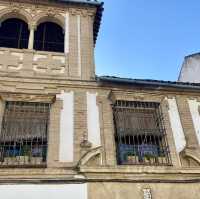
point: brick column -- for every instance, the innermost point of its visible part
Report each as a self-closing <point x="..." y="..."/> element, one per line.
<point x="80" y="123"/>
<point x="107" y="131"/>
<point x="73" y="44"/>
<point x="53" y="136"/>
<point x="87" y="47"/>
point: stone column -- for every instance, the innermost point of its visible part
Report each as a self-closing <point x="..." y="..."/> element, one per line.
<point x="31" y="37"/>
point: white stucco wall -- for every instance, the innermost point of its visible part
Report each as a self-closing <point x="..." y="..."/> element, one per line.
<point x="194" y="106"/>
<point x="66" y="147"/>
<point x="93" y="120"/>
<point x="67" y="33"/>
<point x="190" y="69"/>
<point x="71" y="191"/>
<point x="177" y="129"/>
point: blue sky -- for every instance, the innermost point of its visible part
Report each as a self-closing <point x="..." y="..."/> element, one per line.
<point x="147" y="38"/>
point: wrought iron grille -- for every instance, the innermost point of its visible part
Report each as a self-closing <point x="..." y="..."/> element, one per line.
<point x="140" y="133"/>
<point x="23" y="138"/>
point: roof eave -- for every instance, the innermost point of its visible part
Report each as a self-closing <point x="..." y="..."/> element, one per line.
<point x="149" y="83"/>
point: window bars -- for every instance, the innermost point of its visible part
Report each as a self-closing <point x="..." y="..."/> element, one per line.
<point x="23" y="138"/>
<point x="140" y="134"/>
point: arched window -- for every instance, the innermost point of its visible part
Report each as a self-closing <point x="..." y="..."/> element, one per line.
<point x="49" y="37"/>
<point x="14" y="33"/>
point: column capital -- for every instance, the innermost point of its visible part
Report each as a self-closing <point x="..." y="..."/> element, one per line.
<point x="32" y="26"/>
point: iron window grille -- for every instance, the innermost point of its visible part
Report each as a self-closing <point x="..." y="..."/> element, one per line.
<point x="140" y="134"/>
<point x="23" y="138"/>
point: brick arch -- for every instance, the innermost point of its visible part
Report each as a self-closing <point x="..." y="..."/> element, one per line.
<point x="57" y="19"/>
<point x="16" y="13"/>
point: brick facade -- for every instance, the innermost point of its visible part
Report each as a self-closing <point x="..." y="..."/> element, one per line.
<point x="96" y="166"/>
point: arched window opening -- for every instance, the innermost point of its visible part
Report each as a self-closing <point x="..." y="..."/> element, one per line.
<point x="49" y="37"/>
<point x="14" y="33"/>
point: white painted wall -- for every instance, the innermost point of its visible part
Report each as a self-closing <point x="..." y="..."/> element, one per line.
<point x="67" y="33"/>
<point x="93" y="120"/>
<point x="71" y="191"/>
<point x="177" y="129"/>
<point x="194" y="106"/>
<point x="190" y="69"/>
<point x="66" y="147"/>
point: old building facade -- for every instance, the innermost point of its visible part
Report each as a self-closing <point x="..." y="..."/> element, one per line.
<point x="66" y="133"/>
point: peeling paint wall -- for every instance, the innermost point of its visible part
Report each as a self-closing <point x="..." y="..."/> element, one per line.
<point x="177" y="129"/>
<point x="71" y="191"/>
<point x="194" y="110"/>
<point x="66" y="146"/>
<point x="93" y="120"/>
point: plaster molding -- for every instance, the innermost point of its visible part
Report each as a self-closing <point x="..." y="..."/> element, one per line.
<point x="27" y="97"/>
<point x="89" y="155"/>
<point x="17" y="12"/>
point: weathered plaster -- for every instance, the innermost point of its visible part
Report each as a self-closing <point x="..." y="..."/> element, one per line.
<point x="66" y="127"/>
<point x="194" y="110"/>
<point x="72" y="191"/>
<point x="93" y="120"/>
<point x="67" y="33"/>
<point x="177" y="129"/>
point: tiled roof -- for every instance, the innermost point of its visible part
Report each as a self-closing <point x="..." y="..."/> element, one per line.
<point x="97" y="4"/>
<point x="148" y="82"/>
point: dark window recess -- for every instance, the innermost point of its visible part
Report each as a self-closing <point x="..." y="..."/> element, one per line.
<point x="23" y="138"/>
<point x="140" y="134"/>
<point x="49" y="37"/>
<point x="14" y="33"/>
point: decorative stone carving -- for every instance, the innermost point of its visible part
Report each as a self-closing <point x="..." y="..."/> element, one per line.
<point x="95" y="152"/>
<point x="27" y="98"/>
<point x="16" y="11"/>
<point x="51" y="12"/>
<point x="51" y="16"/>
<point x="85" y="143"/>
<point x="16" y="6"/>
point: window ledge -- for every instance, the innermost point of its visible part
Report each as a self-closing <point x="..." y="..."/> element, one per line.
<point x="31" y="50"/>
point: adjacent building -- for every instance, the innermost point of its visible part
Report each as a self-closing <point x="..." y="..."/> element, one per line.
<point x="190" y="69"/>
<point x="67" y="133"/>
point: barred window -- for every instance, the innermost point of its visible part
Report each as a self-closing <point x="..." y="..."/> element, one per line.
<point x="140" y="134"/>
<point x="23" y="138"/>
